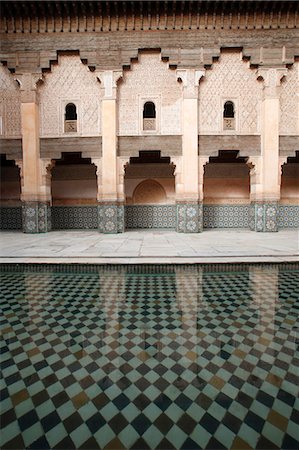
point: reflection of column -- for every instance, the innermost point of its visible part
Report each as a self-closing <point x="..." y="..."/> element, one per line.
<point x="265" y="301"/>
<point x="264" y="212"/>
<point x="202" y="161"/>
<point x="189" y="297"/>
<point x="36" y="206"/>
<point x="111" y="217"/>
<point x="189" y="209"/>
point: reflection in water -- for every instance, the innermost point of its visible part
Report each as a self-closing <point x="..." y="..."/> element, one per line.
<point x="150" y="357"/>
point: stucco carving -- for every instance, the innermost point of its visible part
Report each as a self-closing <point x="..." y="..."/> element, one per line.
<point x="70" y="82"/>
<point x="229" y="78"/>
<point x="149" y="191"/>
<point x="149" y="78"/>
<point x="10" y="105"/>
<point x="289" y="102"/>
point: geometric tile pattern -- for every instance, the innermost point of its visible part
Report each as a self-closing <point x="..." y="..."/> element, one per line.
<point x="288" y="216"/>
<point x="74" y="217"/>
<point x="189" y="217"/>
<point x="10" y="217"/>
<point x="263" y="216"/>
<point x="111" y="218"/>
<point x="226" y="216"/>
<point x="36" y="217"/>
<point x="147" y="359"/>
<point x="150" y="216"/>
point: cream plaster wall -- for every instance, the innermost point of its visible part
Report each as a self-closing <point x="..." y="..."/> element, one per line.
<point x="230" y="78"/>
<point x="289" y="102"/>
<point x="70" y="81"/>
<point x="10" y="105"/>
<point x="226" y="183"/>
<point x="149" y="79"/>
<point x="10" y="187"/>
<point x="74" y="184"/>
<point x="290" y="184"/>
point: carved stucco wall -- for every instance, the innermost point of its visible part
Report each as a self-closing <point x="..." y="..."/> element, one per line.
<point x="10" y="105"/>
<point x="70" y="82"/>
<point x="150" y="79"/>
<point x="289" y="102"/>
<point x="230" y="78"/>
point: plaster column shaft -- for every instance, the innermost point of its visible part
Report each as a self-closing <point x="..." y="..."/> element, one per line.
<point x="189" y="208"/>
<point x="31" y="154"/>
<point x="109" y="149"/>
<point x="265" y="196"/>
<point x="111" y="212"/>
<point x="36" y="195"/>
<point x="190" y="148"/>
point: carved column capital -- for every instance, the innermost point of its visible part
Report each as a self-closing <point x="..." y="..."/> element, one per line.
<point x="109" y="79"/>
<point x="272" y="77"/>
<point x="190" y="79"/>
<point x="28" y="86"/>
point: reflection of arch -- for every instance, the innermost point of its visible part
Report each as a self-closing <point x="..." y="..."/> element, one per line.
<point x="148" y="192"/>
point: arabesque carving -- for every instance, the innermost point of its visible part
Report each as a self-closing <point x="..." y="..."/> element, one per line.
<point x="10" y="105"/>
<point x="150" y="78"/>
<point x="289" y="102"/>
<point x="229" y="78"/>
<point x="70" y="82"/>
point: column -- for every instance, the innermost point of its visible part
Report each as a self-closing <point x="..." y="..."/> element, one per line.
<point x="111" y="209"/>
<point x="189" y="207"/>
<point x="35" y="201"/>
<point x="265" y="197"/>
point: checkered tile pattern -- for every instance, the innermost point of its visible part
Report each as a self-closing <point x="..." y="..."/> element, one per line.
<point x="153" y="360"/>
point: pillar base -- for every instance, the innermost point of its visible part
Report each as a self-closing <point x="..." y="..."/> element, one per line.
<point x="36" y="217"/>
<point x="189" y="217"/>
<point x="111" y="218"/>
<point x="264" y="216"/>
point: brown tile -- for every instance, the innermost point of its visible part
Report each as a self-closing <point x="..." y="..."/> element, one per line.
<point x="143" y="356"/>
<point x="7" y="330"/>
<point x="90" y="444"/>
<point x="80" y="400"/>
<point x="19" y="397"/>
<point x="100" y="400"/>
<point x="239" y="353"/>
<point x="191" y="355"/>
<point x="277" y="420"/>
<point x="239" y="444"/>
<point x="33" y="352"/>
<point x="217" y="382"/>
<point x="115" y="444"/>
<point x="274" y="379"/>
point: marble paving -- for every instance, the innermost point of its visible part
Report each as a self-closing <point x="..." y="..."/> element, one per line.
<point x="144" y="246"/>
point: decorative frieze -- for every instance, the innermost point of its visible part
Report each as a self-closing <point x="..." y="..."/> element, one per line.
<point x="36" y="217"/>
<point x="150" y="216"/>
<point x="10" y="217"/>
<point x="263" y="216"/>
<point x="189" y="217"/>
<point x="110" y="218"/>
<point x="226" y="216"/>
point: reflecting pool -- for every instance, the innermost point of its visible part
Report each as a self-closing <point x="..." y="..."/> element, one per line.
<point x="150" y="357"/>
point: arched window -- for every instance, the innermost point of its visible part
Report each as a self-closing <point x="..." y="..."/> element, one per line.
<point x="229" y="110"/>
<point x="70" y="116"/>
<point x="149" y="110"/>
<point x="229" y="115"/>
<point x="149" y="116"/>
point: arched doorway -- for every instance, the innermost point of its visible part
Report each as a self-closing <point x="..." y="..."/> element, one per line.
<point x="10" y="195"/>
<point x="226" y="191"/>
<point x="289" y="194"/>
<point x="150" y="192"/>
<point x="74" y="193"/>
